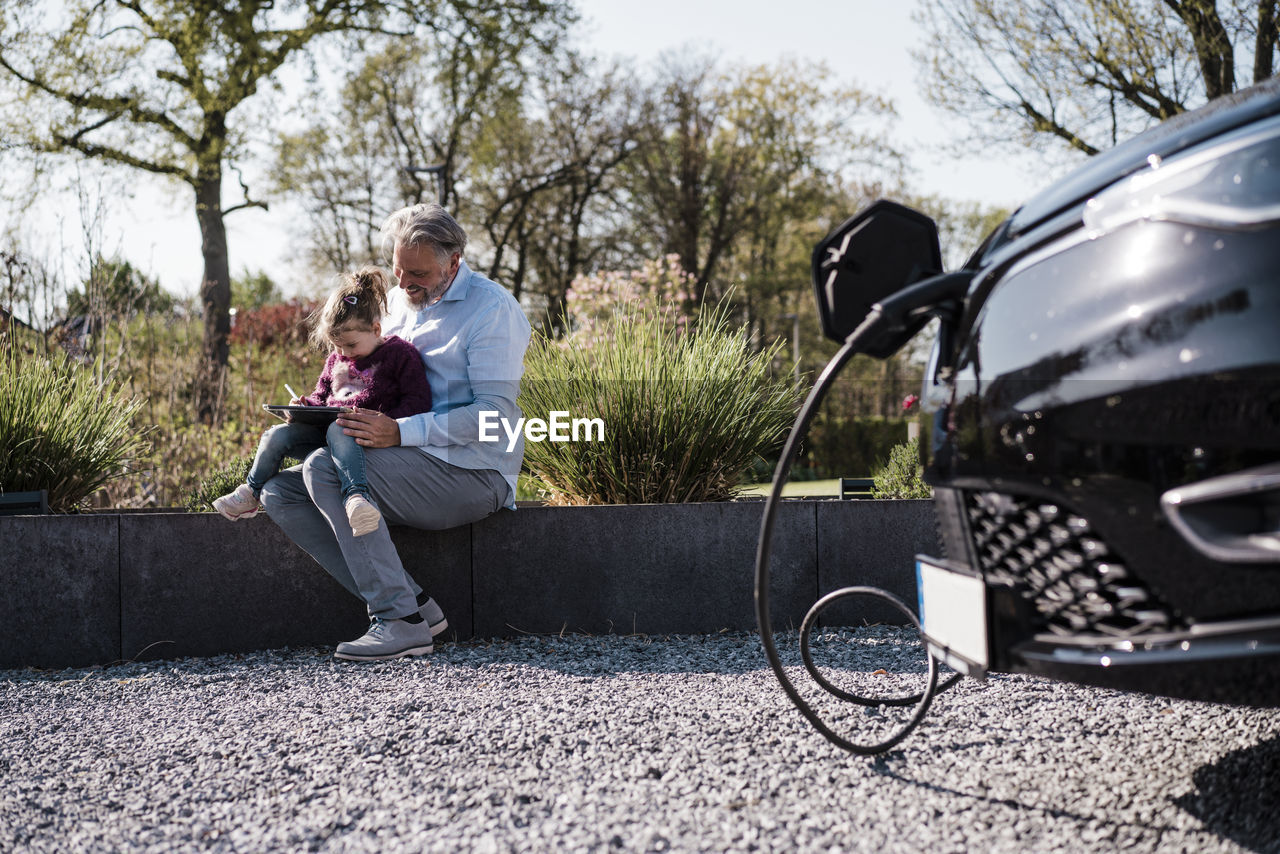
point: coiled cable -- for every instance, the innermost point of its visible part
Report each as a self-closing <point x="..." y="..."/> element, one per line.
<point x="790" y="450"/>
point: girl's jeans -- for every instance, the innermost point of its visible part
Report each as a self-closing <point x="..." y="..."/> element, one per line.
<point x="299" y="440"/>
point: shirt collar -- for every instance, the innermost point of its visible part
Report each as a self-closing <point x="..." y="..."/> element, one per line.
<point x="461" y="283"/>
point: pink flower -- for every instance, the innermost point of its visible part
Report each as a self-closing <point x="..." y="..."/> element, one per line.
<point x="910" y="401"/>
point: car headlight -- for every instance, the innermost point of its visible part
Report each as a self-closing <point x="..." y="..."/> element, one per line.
<point x="1231" y="183"/>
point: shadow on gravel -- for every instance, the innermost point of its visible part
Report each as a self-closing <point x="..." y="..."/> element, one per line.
<point x="865" y="649"/>
<point x="879" y="765"/>
<point x="1238" y="797"/>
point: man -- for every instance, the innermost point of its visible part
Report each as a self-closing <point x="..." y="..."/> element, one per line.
<point x="428" y="470"/>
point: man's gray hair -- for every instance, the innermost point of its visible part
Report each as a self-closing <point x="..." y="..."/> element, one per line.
<point x="424" y="225"/>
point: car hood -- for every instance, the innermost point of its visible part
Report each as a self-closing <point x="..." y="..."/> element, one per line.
<point x="1169" y="137"/>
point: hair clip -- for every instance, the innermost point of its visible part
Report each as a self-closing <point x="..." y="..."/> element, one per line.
<point x="351" y="299"/>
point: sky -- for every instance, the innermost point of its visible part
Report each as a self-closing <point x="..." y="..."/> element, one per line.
<point x="865" y="42"/>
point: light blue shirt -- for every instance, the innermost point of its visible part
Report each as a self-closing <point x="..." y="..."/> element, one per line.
<point x="472" y="342"/>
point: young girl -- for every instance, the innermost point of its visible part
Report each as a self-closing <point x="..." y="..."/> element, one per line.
<point x="363" y="370"/>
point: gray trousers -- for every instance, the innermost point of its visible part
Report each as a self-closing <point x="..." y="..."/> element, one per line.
<point x="409" y="487"/>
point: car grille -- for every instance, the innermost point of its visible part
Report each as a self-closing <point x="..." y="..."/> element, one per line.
<point x="1077" y="584"/>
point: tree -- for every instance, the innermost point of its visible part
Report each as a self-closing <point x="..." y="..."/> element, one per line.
<point x="528" y="137"/>
<point x="962" y="226"/>
<point x="28" y="290"/>
<point x="740" y="172"/>
<point x="1088" y="73"/>
<point x="546" y="178"/>
<point x="161" y="86"/>
<point x="250" y="291"/>
<point x="405" y="107"/>
<point x="116" y="288"/>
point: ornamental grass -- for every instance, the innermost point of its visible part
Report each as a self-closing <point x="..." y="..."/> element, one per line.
<point x="64" y="427"/>
<point x="686" y="408"/>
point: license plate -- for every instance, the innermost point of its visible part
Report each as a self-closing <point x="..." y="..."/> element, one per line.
<point x="953" y="612"/>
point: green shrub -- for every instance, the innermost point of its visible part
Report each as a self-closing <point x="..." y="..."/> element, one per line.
<point x="901" y="476"/>
<point x="217" y="484"/>
<point x="839" y="445"/>
<point x="223" y="481"/>
<point x="64" y="427"/>
<point x="686" y="408"/>
<point x="157" y="355"/>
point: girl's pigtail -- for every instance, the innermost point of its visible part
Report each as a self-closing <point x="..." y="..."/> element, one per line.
<point x="372" y="283"/>
<point x="359" y="301"/>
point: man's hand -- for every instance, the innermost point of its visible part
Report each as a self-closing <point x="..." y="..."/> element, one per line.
<point x="371" y="429"/>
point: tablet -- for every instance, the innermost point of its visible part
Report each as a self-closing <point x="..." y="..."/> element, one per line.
<point x="320" y="415"/>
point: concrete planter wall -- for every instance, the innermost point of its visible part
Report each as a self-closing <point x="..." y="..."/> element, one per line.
<point x="95" y="589"/>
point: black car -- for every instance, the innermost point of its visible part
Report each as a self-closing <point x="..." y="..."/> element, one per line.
<point x="1103" y="411"/>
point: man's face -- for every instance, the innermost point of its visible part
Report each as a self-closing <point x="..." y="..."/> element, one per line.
<point x="420" y="274"/>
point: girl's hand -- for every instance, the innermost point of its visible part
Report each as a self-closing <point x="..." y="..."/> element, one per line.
<point x="370" y="428"/>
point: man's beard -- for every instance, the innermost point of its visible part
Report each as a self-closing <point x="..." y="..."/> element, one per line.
<point x="419" y="297"/>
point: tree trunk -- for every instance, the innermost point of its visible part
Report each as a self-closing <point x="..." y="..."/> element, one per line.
<point x="1213" y="44"/>
<point x="215" y="298"/>
<point x="1265" y="43"/>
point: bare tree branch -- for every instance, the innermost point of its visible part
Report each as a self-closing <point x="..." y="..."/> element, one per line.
<point x="122" y="157"/>
<point x="1087" y="71"/>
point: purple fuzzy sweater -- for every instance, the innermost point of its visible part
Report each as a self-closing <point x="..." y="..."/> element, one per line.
<point x="391" y="379"/>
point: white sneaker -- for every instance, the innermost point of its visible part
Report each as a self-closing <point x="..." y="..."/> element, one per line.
<point x="387" y="639"/>
<point x="238" y="505"/>
<point x="362" y="515"/>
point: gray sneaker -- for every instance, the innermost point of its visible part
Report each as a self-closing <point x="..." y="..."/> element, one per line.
<point x="387" y="639"/>
<point x="431" y="612"/>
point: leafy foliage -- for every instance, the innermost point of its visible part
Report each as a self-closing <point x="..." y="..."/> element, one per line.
<point x="560" y="167"/>
<point x="223" y="481"/>
<point x="154" y="356"/>
<point x="254" y="290"/>
<point x="902" y="475"/>
<point x="218" y="483"/>
<point x="406" y="107"/>
<point x="65" y="427"/>
<point x="684" y="411"/>
<point x="844" y="445"/>
<point x="116" y="287"/>
<point x="564" y="167"/>
<point x="734" y="165"/>
<point x="546" y="183"/>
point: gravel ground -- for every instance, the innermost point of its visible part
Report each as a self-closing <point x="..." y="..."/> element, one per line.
<point x="599" y="743"/>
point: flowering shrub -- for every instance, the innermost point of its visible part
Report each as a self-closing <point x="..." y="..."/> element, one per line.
<point x="660" y="288"/>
